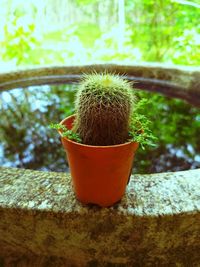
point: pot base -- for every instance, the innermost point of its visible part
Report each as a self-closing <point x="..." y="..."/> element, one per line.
<point x="99" y="205"/>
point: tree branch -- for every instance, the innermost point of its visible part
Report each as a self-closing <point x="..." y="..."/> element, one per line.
<point x="188" y="3"/>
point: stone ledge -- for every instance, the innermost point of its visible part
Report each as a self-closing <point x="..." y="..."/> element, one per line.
<point x="175" y="81"/>
<point x="155" y="224"/>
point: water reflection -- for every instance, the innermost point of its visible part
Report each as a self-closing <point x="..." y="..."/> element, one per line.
<point x="28" y="142"/>
<point x="26" y="139"/>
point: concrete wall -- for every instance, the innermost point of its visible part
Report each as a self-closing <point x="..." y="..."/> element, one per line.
<point x="157" y="223"/>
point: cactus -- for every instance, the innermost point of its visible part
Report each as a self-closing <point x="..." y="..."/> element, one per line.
<point x="103" y="106"/>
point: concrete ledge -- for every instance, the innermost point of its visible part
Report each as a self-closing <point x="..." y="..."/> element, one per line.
<point x="176" y="81"/>
<point x="155" y="224"/>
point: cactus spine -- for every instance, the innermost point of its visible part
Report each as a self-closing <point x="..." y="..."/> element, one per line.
<point x="103" y="106"/>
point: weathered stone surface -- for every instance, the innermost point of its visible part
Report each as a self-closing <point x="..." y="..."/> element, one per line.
<point x="157" y="223"/>
<point x="173" y="81"/>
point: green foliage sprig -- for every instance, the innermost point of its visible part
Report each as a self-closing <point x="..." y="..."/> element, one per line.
<point x="66" y="132"/>
<point x="139" y="127"/>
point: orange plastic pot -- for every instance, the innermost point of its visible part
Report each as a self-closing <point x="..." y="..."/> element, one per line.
<point x="99" y="173"/>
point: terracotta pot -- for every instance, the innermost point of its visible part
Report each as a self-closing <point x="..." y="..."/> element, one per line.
<point x="99" y="173"/>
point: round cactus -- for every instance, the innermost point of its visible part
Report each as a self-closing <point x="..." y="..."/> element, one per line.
<point x="103" y="106"/>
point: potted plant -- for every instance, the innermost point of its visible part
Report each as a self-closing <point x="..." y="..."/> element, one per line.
<point x="101" y="138"/>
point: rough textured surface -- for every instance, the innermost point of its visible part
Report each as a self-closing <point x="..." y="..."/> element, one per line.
<point x="173" y="81"/>
<point x="155" y="224"/>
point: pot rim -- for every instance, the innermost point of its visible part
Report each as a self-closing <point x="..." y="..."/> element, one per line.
<point x="79" y="144"/>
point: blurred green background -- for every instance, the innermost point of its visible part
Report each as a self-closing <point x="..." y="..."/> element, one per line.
<point x="69" y="32"/>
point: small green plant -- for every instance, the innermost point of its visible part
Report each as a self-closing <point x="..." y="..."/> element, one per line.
<point x="139" y="127"/>
<point x="66" y="133"/>
<point x="107" y="113"/>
